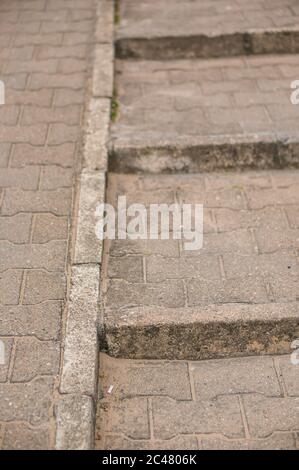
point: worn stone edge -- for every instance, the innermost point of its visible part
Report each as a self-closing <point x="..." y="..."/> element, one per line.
<point x="255" y="41"/>
<point x="207" y="153"/>
<point x="216" y="331"/>
<point x="76" y="405"/>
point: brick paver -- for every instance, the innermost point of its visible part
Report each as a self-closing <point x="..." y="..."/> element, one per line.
<point x="44" y="53"/>
<point x="225" y="404"/>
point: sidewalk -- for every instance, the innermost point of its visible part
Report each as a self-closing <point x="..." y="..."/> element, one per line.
<point x="229" y="404"/>
<point x="201" y="340"/>
<point x="44" y="56"/>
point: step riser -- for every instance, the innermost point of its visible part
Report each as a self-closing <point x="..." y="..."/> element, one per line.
<point x="201" y="341"/>
<point x="201" y="46"/>
<point x="205" y="158"/>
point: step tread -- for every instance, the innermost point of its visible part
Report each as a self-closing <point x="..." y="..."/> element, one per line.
<point x="246" y="272"/>
<point x="169" y="102"/>
<point x="148" y="19"/>
<point x="240" y="403"/>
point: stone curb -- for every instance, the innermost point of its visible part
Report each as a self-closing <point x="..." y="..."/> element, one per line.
<point x="75" y="410"/>
<point x="75" y="415"/>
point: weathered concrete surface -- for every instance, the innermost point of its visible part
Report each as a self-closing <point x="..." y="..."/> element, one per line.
<point x="235" y="296"/>
<point x="202" y="115"/>
<point x="232" y="404"/>
<point x="75" y="423"/>
<point x="187" y="29"/>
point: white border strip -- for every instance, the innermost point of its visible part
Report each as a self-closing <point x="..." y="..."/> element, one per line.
<point x="75" y="410"/>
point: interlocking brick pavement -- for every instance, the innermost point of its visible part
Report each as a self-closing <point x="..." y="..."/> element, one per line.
<point x="196" y="28"/>
<point x="248" y="263"/>
<point x="240" y="403"/>
<point x="172" y="100"/>
<point x="44" y="54"/>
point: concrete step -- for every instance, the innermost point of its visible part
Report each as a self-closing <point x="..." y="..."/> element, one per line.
<point x="247" y="403"/>
<point x="202" y="115"/>
<point x="149" y="29"/>
<point x="237" y="295"/>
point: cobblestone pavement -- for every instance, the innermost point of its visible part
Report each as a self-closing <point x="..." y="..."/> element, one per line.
<point x="43" y="61"/>
<point x="243" y="403"/>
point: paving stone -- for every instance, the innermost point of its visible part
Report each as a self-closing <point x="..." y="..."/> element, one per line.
<point x="268" y="415"/>
<point x="25" y="154"/>
<point x="15" y="229"/>
<point x="44" y="80"/>
<point x="35" y="114"/>
<point x="17" y="66"/>
<point x="170" y="294"/>
<point x="49" y="227"/>
<point x="130" y="420"/>
<point x="34" y="135"/>
<point x="144" y="247"/>
<point x="41" y="320"/>
<point x="42" y="285"/>
<point x="290" y="373"/>
<point x="279" y="441"/>
<point x="242" y="289"/>
<point x="10" y="285"/>
<point x="49" y="255"/>
<point x="173" y="417"/>
<point x="9" y="115"/>
<point x="232" y="376"/>
<point x="24" y="178"/>
<point x="160" y="268"/>
<point x="4" y="154"/>
<point x="115" y="442"/>
<point x="26" y="402"/>
<point x="53" y="177"/>
<point x="144" y="378"/>
<point x="128" y="267"/>
<point x="16" y="200"/>
<point x="65" y="97"/>
<point x="269" y="217"/>
<point x="281" y="263"/>
<point x="63" y="133"/>
<point x="34" y="358"/>
<point x="21" y="437"/>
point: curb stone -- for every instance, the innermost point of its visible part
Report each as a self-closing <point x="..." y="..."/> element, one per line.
<point x="75" y="410"/>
